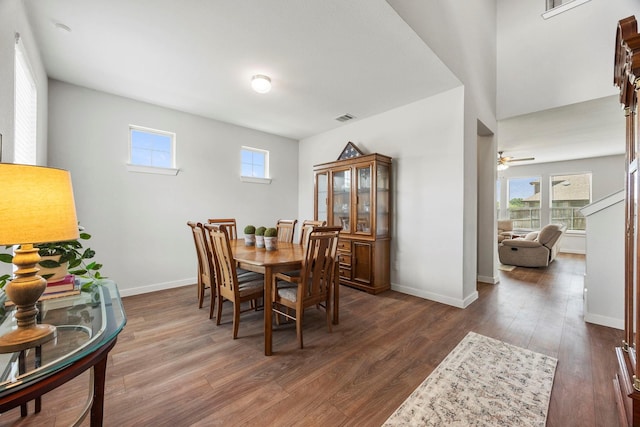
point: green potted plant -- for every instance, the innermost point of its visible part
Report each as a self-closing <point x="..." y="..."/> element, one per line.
<point x="271" y="239"/>
<point x="250" y="235"/>
<point x="260" y="237"/>
<point x="70" y="257"/>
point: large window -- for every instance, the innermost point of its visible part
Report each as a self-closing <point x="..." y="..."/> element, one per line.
<point x="524" y="202"/>
<point x="569" y="193"/>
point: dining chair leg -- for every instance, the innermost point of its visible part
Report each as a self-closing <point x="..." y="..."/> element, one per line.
<point x="211" y="306"/>
<point x="219" y="315"/>
<point x="299" y="314"/>
<point x="236" y="319"/>
<point x="200" y="295"/>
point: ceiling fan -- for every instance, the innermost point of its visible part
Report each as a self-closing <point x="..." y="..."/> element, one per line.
<point x="504" y="161"/>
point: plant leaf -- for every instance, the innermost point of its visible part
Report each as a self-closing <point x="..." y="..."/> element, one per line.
<point x="8" y="258"/>
<point x="49" y="263"/>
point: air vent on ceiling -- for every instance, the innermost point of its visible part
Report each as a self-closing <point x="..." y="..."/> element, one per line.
<point x="345" y="117"/>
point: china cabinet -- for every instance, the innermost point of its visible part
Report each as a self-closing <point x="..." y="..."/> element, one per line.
<point x="355" y="193"/>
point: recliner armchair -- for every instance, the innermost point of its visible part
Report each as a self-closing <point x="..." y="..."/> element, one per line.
<point x="537" y="249"/>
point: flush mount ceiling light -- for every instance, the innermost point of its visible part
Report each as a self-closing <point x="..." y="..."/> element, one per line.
<point x="261" y="83"/>
<point x="554" y="9"/>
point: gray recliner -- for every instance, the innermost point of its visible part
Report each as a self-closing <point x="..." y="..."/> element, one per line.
<point x="537" y="249"/>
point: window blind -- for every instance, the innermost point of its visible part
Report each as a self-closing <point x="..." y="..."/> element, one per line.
<point x="26" y="112"/>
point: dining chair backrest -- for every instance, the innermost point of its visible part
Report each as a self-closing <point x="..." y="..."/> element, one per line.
<point x="307" y="226"/>
<point x="318" y="267"/>
<point x="286" y="229"/>
<point x="205" y="266"/>
<point x="232" y="228"/>
<point x="224" y="264"/>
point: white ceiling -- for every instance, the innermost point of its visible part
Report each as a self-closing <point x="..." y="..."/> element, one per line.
<point x="325" y="58"/>
<point x="587" y="129"/>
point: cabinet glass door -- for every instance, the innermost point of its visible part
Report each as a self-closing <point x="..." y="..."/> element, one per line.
<point x="341" y="199"/>
<point x="363" y="187"/>
<point x="383" y="202"/>
<point x="322" y="196"/>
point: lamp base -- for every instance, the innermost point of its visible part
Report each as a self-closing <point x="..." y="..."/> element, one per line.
<point x="23" y="338"/>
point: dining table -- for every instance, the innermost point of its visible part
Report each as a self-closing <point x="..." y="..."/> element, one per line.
<point x="287" y="257"/>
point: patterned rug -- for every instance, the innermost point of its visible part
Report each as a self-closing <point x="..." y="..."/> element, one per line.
<point x="482" y="382"/>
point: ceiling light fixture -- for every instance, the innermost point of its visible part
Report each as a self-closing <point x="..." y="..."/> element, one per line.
<point x="562" y="8"/>
<point x="502" y="166"/>
<point x="261" y="83"/>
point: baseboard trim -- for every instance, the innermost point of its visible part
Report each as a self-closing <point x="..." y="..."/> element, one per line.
<point x="610" y="322"/>
<point x="126" y="292"/>
<point x="488" y="279"/>
<point x="455" y="302"/>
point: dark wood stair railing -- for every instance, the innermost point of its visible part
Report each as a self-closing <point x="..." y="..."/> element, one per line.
<point x="627" y="79"/>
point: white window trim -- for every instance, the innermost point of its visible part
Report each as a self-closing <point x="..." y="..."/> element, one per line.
<point x="255" y="180"/>
<point x="154" y="169"/>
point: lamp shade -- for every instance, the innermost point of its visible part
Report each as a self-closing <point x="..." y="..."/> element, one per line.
<point x="36" y="205"/>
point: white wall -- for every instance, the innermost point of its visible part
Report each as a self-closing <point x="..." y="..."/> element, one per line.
<point x="425" y="140"/>
<point x="604" y="276"/>
<point x="607" y="177"/>
<point x="564" y="60"/>
<point x="487" y="242"/>
<point x="138" y="221"/>
<point x="463" y="35"/>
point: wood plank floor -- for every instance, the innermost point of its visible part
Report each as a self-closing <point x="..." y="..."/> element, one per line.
<point x="173" y="367"/>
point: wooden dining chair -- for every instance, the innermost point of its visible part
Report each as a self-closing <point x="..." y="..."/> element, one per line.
<point x="314" y="285"/>
<point x="286" y="229"/>
<point x="307" y="226"/>
<point x="229" y="287"/>
<point x="232" y="229"/>
<point x="205" y="277"/>
<point x="230" y="223"/>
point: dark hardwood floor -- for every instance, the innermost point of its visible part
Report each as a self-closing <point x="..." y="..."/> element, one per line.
<point x="173" y="367"/>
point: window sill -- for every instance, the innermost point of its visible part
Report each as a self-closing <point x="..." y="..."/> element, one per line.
<point x="151" y="169"/>
<point x="255" y="180"/>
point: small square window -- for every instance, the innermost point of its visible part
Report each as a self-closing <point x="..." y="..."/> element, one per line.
<point x="150" y="147"/>
<point x="254" y="163"/>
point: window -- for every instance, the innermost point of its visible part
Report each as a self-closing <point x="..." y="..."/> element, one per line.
<point x="254" y="165"/>
<point x="524" y="202"/>
<point x="151" y="150"/>
<point x="569" y="193"/>
<point x="26" y="111"/>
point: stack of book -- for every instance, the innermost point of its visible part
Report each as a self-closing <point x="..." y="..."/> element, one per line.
<point x="63" y="287"/>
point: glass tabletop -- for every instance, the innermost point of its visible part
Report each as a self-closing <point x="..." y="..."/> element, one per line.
<point x="84" y="323"/>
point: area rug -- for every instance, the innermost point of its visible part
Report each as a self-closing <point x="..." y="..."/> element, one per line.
<point x="504" y="267"/>
<point x="482" y="382"/>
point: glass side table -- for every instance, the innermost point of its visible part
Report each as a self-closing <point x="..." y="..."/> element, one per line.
<point x="87" y="327"/>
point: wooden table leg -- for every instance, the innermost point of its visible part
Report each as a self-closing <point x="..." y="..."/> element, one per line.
<point x="267" y="311"/>
<point x="99" y="379"/>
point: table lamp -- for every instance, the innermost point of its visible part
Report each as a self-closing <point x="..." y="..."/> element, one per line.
<point x="36" y="206"/>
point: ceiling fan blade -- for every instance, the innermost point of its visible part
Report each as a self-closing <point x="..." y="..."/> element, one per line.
<point x="521" y="160"/>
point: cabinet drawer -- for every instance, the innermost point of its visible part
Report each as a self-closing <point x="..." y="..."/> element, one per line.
<point x="344" y="245"/>
<point x="345" y="273"/>
<point x="344" y="259"/>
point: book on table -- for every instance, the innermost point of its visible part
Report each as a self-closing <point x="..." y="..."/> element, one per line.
<point x="68" y="283"/>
